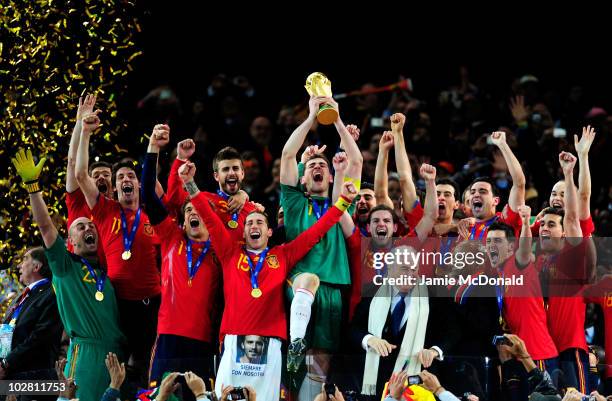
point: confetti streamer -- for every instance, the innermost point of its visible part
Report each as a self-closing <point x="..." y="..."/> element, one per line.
<point x="52" y="52"/>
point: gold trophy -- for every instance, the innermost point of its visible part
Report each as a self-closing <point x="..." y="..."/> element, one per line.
<point x="317" y="84"/>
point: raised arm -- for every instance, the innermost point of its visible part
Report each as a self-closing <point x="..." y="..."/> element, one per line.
<point x="571" y="225"/>
<point x="288" y="170"/>
<point x="523" y="253"/>
<point x="303" y="243"/>
<point x="409" y="195"/>
<point x="90" y="123"/>
<point x="29" y="173"/>
<point x="153" y="205"/>
<point x="430" y="212"/>
<point x="584" y="173"/>
<point x="517" y="192"/>
<point x="221" y="240"/>
<point x="349" y="144"/>
<point x="340" y="163"/>
<point x="381" y="177"/>
<point x="85" y="107"/>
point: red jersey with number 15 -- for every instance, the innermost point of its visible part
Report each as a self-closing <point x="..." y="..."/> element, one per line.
<point x="265" y="315"/>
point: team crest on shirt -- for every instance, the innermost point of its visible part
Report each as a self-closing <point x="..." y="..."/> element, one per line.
<point x="272" y="261"/>
<point x="148" y="229"/>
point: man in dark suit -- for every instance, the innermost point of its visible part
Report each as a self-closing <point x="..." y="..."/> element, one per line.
<point x="433" y="326"/>
<point x="37" y="328"/>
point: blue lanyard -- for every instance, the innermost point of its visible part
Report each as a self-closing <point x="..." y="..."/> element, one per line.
<point x="92" y="273"/>
<point x="317" y="210"/>
<point x="192" y="271"/>
<point x="15" y="314"/>
<point x="484" y="229"/>
<point x="364" y="232"/>
<point x="500" y="298"/>
<point x="445" y="246"/>
<point x="226" y="197"/>
<point x="128" y="239"/>
<point x="255" y="271"/>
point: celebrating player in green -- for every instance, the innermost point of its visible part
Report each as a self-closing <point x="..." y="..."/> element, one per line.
<point x="85" y="296"/>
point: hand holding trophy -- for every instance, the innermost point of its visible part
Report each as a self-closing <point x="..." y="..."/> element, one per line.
<point x="317" y="84"/>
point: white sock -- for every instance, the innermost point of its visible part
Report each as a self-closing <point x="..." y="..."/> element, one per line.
<point x="310" y="388"/>
<point x="300" y="313"/>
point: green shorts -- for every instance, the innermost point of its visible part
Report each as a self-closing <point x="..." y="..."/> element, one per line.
<point x="87" y="367"/>
<point x="326" y="317"/>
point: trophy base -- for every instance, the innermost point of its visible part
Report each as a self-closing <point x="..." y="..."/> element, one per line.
<point x="327" y="115"/>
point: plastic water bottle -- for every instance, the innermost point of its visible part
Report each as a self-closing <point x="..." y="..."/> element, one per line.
<point x="6" y="338"/>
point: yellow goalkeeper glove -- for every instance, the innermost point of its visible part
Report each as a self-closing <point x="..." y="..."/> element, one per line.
<point x="27" y="170"/>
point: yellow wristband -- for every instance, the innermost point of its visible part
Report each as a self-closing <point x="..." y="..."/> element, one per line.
<point x="355" y="181"/>
<point x="32" y="186"/>
<point x="342" y="203"/>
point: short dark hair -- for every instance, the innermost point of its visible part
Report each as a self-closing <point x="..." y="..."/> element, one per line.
<point x="452" y="183"/>
<point x="100" y="164"/>
<point x="264" y="214"/>
<point x="488" y="180"/>
<point x="377" y="208"/>
<point x="367" y="185"/>
<point x="181" y="217"/>
<point x="227" y="153"/>
<point x="556" y="211"/>
<point x="131" y="164"/>
<point x="38" y="254"/>
<point x="497" y="226"/>
<point x="319" y="156"/>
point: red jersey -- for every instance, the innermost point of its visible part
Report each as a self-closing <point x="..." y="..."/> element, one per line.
<point x="523" y="310"/>
<point x="185" y="310"/>
<point x="601" y="293"/>
<point x="77" y="207"/>
<point x="586" y="226"/>
<point x="265" y="315"/>
<point x="353" y="250"/>
<point x="177" y="195"/>
<point x="136" y="278"/>
<point x="566" y="309"/>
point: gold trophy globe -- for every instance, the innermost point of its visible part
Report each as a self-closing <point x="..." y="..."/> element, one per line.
<point x="317" y="84"/>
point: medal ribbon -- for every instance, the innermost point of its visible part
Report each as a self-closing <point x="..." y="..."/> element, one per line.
<point x="484" y="226"/>
<point x="92" y="273"/>
<point x="191" y="271"/>
<point x="226" y="197"/>
<point x="255" y="271"/>
<point x="499" y="290"/>
<point x="128" y="239"/>
<point x="317" y="209"/>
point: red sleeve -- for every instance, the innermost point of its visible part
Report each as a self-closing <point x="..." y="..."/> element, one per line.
<point x="303" y="243"/>
<point x="221" y="241"/>
<point x="535" y="228"/>
<point x="414" y="217"/>
<point x="512" y="218"/>
<point x="176" y="195"/>
<point x="587" y="227"/>
<point x="76" y="205"/>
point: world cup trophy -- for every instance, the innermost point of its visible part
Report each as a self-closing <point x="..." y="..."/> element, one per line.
<point x="317" y="84"/>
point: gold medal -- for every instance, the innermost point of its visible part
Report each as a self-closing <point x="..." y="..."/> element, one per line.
<point x="232" y="224"/>
<point x="256" y="293"/>
<point x="99" y="296"/>
<point x="189" y="282"/>
<point x="13" y="322"/>
<point x="126" y="255"/>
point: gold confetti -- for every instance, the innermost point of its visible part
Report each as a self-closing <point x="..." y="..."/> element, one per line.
<point x="59" y="50"/>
